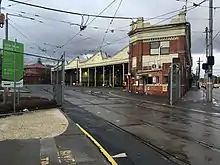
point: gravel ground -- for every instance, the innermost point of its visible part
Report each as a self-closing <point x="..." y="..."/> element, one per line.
<point x="33" y="125"/>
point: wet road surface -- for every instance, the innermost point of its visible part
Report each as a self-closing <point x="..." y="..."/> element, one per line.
<point x="189" y="137"/>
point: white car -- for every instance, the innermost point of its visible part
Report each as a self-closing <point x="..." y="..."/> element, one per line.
<point x="216" y="86"/>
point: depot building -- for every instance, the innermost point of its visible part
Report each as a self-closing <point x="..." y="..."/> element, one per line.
<point x="144" y="64"/>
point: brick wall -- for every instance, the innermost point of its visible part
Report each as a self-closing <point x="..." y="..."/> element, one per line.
<point x="146" y="48"/>
<point x="140" y="48"/>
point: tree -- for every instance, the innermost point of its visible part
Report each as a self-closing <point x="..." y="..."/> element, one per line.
<point x="39" y="61"/>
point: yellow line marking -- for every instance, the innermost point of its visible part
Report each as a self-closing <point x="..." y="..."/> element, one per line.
<point x="104" y="152"/>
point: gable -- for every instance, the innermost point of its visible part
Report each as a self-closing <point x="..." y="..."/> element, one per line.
<point x="96" y="58"/>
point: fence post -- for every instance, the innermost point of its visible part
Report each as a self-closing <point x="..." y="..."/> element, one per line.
<point x="62" y="79"/>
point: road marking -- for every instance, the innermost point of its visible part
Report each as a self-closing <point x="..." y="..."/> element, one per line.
<point x="121" y="155"/>
<point x="104" y="152"/>
<point x="66" y="157"/>
<point x="45" y="161"/>
<point x="58" y="156"/>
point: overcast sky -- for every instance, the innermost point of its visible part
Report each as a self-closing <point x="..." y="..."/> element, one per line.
<point x="44" y="33"/>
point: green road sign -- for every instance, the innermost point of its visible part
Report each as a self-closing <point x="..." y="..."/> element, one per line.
<point x="11" y="55"/>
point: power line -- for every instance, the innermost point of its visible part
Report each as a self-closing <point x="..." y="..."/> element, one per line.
<point x="194" y="3"/>
<point x="39" y="21"/>
<point x="188" y="9"/>
<point x="87" y="25"/>
<point x="216" y="35"/>
<point x="16" y="3"/>
<point x="72" y="13"/>
<point x="43" y="50"/>
<point x="110" y="23"/>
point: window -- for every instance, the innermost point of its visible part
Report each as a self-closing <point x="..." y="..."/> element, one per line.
<point x="164" y="51"/>
<point x="155" y="45"/>
<point x="152" y="80"/>
<point x="149" y="80"/>
<point x="166" y="79"/>
<point x="155" y="79"/>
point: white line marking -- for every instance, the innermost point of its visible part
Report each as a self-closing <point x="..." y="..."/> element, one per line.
<point x="121" y="155"/>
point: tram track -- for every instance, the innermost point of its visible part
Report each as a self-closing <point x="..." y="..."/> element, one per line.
<point x="163" y="152"/>
<point x="203" y="143"/>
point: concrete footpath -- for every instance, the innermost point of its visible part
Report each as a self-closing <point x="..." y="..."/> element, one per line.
<point x="46" y="137"/>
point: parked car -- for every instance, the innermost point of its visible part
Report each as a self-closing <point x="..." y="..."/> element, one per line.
<point x="216" y="86"/>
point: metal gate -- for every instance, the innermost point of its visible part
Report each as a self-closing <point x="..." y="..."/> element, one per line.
<point x="58" y="80"/>
<point x="174" y="86"/>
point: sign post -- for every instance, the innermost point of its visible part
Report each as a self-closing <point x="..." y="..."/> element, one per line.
<point x="12" y="65"/>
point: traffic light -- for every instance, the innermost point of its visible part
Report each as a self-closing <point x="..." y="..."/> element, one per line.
<point x="210" y="60"/>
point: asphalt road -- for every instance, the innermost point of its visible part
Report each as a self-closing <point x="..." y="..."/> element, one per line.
<point x="146" y="133"/>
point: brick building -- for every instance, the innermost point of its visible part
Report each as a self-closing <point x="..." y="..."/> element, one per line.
<point x="151" y="51"/>
<point x="37" y="74"/>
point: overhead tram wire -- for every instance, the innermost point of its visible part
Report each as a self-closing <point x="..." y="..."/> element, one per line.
<point x="215" y="7"/>
<point x="72" y="13"/>
<point x="26" y="37"/>
<point x="110" y="23"/>
<point x="188" y="9"/>
<point x="87" y="25"/>
<point x="41" y="22"/>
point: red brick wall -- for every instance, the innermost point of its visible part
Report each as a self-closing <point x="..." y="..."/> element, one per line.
<point x="139" y="55"/>
<point x="138" y="49"/>
<point x="146" y="48"/>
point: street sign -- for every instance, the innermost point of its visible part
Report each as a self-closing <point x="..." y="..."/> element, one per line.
<point x="12" y="52"/>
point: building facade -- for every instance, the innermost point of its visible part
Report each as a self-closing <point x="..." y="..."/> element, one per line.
<point x="37" y="74"/>
<point x="98" y="70"/>
<point x="152" y="49"/>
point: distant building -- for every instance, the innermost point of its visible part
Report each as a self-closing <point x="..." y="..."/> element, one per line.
<point x="144" y="64"/>
<point x="37" y="74"/>
<point x="151" y="51"/>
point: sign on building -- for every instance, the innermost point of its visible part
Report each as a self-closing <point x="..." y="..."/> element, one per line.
<point x="13" y="55"/>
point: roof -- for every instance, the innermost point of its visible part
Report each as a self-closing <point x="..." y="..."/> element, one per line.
<point x="31" y="73"/>
<point x="36" y="66"/>
<point x="100" y="59"/>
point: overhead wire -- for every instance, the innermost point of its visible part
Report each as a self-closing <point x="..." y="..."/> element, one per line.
<point x="25" y="36"/>
<point x="13" y="4"/>
<point x="189" y="9"/>
<point x="70" y="12"/>
<point x="57" y="47"/>
<point x="215" y="7"/>
<point x="87" y="25"/>
<point x="110" y="23"/>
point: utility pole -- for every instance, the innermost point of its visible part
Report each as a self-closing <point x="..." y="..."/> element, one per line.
<point x="206" y="41"/>
<point x="209" y="83"/>
<point x="198" y="73"/>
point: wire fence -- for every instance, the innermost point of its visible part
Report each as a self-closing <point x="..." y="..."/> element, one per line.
<point x="37" y="74"/>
